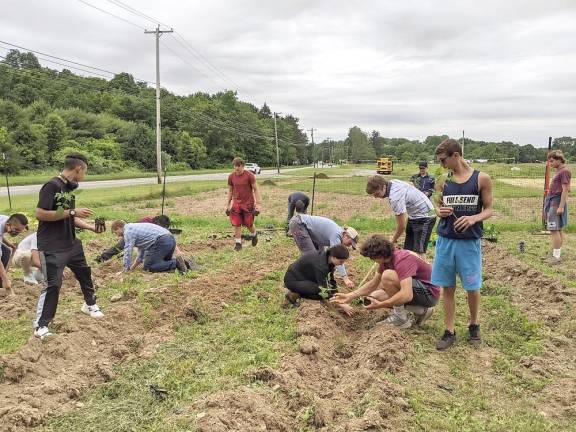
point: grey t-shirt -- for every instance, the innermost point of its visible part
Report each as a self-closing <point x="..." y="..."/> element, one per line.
<point x="405" y="198"/>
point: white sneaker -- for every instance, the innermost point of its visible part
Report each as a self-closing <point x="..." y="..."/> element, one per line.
<point x="93" y="311"/>
<point x="30" y="279"/>
<point x="397" y="321"/>
<point x="42" y="332"/>
<point x="423" y="317"/>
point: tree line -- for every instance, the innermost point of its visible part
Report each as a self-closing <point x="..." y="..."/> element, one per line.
<point x="46" y="113"/>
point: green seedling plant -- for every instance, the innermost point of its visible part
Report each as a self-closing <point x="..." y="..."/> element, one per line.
<point x="64" y="201"/>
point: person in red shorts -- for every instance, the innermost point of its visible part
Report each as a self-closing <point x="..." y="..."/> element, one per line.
<point x="243" y="202"/>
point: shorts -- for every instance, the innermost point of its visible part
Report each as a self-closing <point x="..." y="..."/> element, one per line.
<point x="418" y="232"/>
<point x="555" y="222"/>
<point x="458" y="256"/>
<point x="422" y="294"/>
<point x="240" y="215"/>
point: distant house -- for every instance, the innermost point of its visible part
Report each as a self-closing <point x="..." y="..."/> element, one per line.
<point x="481" y="160"/>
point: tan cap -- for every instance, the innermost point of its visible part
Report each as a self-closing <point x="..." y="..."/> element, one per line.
<point x="353" y="235"/>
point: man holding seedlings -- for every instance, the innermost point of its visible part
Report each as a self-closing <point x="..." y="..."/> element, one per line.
<point x="407" y="202"/>
<point x="312" y="276"/>
<point x="402" y="282"/>
<point x="298" y="201"/>
<point x="317" y="232"/>
<point x="556" y="206"/>
<point x="156" y="246"/>
<point x="12" y="225"/>
<point x="58" y="246"/>
<point x="466" y="202"/>
<point x="244" y="202"/>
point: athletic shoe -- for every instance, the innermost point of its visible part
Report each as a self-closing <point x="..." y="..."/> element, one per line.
<point x="552" y="260"/>
<point x="93" y="311"/>
<point x="42" y="332"/>
<point x="238" y="247"/>
<point x="397" y="321"/>
<point x="191" y="265"/>
<point x="181" y="264"/>
<point x="474" y="334"/>
<point x="30" y="279"/>
<point x="446" y="341"/>
<point x="255" y="240"/>
<point x="423" y="317"/>
<point x="292" y="299"/>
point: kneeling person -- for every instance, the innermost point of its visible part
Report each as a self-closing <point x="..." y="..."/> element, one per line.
<point x="156" y="246"/>
<point x="312" y="275"/>
<point x="27" y="257"/>
<point x="402" y="279"/>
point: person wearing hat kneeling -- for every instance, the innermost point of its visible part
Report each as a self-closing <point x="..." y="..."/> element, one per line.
<point x="313" y="233"/>
<point x="402" y="282"/>
<point x="312" y="276"/>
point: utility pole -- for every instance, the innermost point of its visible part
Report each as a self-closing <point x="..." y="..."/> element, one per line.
<point x="158" y="33"/>
<point x="313" y="146"/>
<point x="276" y="136"/>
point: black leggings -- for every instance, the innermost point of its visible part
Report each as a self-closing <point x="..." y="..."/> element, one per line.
<point x="307" y="289"/>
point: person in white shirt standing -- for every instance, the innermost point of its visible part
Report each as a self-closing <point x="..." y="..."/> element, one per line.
<point x="406" y="202"/>
<point x="27" y="257"/>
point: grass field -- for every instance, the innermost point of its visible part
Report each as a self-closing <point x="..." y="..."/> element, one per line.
<point x="231" y="358"/>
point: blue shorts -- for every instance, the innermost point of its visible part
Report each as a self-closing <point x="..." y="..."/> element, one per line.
<point x="458" y="256"/>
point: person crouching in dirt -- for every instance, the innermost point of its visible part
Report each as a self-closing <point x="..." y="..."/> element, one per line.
<point x="27" y="258"/>
<point x="312" y="276"/>
<point x="156" y="246"/>
<point x="12" y="225"/>
<point x="312" y="233"/>
<point x="160" y="220"/>
<point x="298" y="201"/>
<point x="244" y="202"/>
<point x="402" y="282"/>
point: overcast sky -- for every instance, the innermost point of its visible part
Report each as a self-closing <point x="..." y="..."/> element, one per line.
<point x="500" y="70"/>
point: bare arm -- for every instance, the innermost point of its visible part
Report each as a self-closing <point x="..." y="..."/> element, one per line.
<point x="229" y="199"/>
<point x="364" y="290"/>
<point x="400" y="227"/>
<point x="51" y="215"/>
<point x="563" y="197"/>
<point x="79" y="223"/>
<point x="401" y="297"/>
<point x="486" y="191"/>
<point x="257" y="196"/>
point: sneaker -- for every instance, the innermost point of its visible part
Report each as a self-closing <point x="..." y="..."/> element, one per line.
<point x="238" y="247"/>
<point x="255" y="240"/>
<point x="181" y="264"/>
<point x="397" y="321"/>
<point x="42" y="332"/>
<point x="474" y="334"/>
<point x="30" y="279"/>
<point x="94" y="311"/>
<point x="292" y="298"/>
<point x="423" y="317"/>
<point x="552" y="260"/>
<point x="191" y="265"/>
<point x="446" y="341"/>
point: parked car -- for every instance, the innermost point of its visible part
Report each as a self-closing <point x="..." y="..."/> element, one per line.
<point x="253" y="168"/>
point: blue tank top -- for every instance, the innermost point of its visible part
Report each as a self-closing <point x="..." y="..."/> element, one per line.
<point x="466" y="200"/>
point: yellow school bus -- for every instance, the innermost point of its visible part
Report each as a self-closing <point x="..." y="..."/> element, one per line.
<point x="384" y="165"/>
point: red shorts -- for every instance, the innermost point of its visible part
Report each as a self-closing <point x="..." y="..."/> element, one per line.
<point x="240" y="215"/>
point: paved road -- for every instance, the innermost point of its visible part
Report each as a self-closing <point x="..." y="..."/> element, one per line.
<point x="31" y="189"/>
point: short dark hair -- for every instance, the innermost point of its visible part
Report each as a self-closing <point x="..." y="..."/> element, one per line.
<point x="423" y="164"/>
<point x="72" y="160"/>
<point x="449" y="146"/>
<point x="376" y="183"/>
<point x="339" y="252"/>
<point x="20" y="218"/>
<point x="161" y="220"/>
<point x="376" y="246"/>
<point x="300" y="206"/>
<point x="237" y="162"/>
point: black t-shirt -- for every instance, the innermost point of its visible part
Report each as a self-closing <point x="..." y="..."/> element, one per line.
<point x="58" y="235"/>
<point x="312" y="266"/>
<point x="295" y="196"/>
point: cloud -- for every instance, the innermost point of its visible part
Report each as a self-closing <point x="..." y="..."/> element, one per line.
<point x="499" y="70"/>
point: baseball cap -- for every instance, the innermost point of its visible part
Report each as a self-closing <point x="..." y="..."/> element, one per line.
<point x="353" y="235"/>
<point x="423" y="165"/>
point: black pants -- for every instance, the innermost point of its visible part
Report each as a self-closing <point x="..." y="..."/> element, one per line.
<point x="291" y="208"/>
<point x="6" y="254"/>
<point x="53" y="264"/>
<point x="307" y="289"/>
<point x="113" y="251"/>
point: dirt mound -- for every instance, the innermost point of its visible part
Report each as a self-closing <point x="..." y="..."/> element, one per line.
<point x="322" y="176"/>
<point x="268" y="182"/>
<point x="332" y="383"/>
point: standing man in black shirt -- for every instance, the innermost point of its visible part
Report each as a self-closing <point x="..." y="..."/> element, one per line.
<point x="58" y="245"/>
<point x="423" y="181"/>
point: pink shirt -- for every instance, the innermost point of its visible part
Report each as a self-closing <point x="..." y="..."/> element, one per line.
<point x="408" y="264"/>
<point x="562" y="177"/>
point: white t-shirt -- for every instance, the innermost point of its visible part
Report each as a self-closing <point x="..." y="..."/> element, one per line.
<point x="405" y="198"/>
<point x="28" y="243"/>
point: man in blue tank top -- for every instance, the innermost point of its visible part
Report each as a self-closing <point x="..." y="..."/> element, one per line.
<point x="466" y="201"/>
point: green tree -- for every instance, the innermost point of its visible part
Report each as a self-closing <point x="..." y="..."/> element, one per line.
<point x="55" y="132"/>
<point x="360" y="148"/>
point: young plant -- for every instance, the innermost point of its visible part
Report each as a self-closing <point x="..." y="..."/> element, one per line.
<point x="100" y="224"/>
<point x="64" y="201"/>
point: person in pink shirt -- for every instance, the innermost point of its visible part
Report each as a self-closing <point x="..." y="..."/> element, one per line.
<point x="402" y="283"/>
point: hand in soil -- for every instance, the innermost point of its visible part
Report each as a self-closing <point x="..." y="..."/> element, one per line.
<point x="341" y="298"/>
<point x="346" y="309"/>
<point x="349" y="283"/>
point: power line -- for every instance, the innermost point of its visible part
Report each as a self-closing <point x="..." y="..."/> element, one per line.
<point x="111" y="14"/>
<point x="136" y="12"/>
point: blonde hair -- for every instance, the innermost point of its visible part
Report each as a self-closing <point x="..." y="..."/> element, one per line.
<point x="557" y="154"/>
